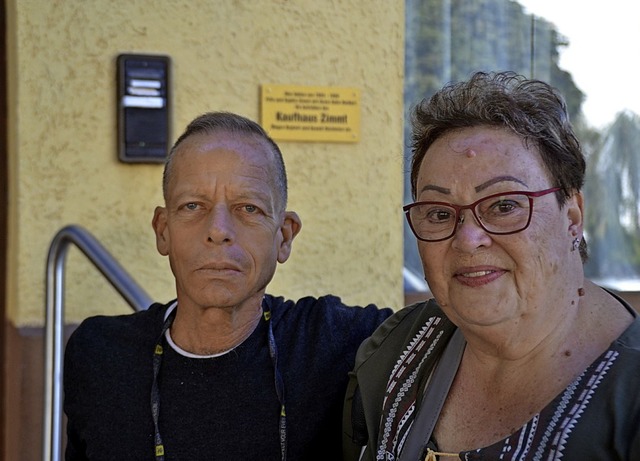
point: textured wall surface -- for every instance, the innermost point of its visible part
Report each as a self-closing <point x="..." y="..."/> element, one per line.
<point x="62" y="137"/>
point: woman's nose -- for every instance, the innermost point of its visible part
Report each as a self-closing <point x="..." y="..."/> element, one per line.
<point x="469" y="233"/>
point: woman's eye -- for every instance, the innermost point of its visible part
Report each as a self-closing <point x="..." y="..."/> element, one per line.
<point x="504" y="206"/>
<point x="439" y="215"/>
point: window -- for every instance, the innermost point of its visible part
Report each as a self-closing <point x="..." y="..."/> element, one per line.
<point x="447" y="40"/>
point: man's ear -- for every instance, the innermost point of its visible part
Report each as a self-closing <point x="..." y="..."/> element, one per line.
<point x="575" y="213"/>
<point x="289" y="229"/>
<point x="159" y="224"/>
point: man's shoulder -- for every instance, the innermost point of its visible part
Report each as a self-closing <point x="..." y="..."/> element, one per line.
<point x="114" y="328"/>
<point x="325" y="318"/>
<point x="324" y="328"/>
<point x="109" y="356"/>
<point x="328" y="306"/>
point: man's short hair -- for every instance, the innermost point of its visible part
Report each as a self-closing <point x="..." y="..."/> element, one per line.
<point x="227" y="122"/>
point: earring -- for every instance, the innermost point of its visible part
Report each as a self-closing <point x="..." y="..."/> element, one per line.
<point x="575" y="244"/>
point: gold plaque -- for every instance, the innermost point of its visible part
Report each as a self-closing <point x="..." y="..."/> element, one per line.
<point x="311" y="113"/>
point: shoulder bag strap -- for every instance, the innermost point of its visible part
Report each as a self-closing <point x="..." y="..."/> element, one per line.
<point x="434" y="397"/>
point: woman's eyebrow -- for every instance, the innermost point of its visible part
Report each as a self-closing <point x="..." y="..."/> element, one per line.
<point x="442" y="190"/>
<point x="498" y="179"/>
<point x="480" y="188"/>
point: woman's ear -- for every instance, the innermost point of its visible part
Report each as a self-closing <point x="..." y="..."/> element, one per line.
<point x="289" y="229"/>
<point x="159" y="224"/>
<point x="575" y="213"/>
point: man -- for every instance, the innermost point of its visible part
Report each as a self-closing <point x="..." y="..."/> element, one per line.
<point x="225" y="372"/>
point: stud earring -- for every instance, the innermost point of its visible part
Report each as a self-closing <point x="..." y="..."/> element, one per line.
<point x="575" y="244"/>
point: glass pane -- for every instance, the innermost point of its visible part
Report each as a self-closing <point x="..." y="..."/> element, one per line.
<point x="602" y="57"/>
<point x="585" y="49"/>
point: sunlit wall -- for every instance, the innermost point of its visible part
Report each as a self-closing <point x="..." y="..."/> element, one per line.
<point x="63" y="165"/>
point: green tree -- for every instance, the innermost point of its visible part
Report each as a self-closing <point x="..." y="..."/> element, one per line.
<point x="447" y="40"/>
<point x="612" y="195"/>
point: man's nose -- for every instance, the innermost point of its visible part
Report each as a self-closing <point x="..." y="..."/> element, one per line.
<point x="220" y="226"/>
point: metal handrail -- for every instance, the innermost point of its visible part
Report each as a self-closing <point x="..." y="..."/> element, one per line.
<point x="54" y="320"/>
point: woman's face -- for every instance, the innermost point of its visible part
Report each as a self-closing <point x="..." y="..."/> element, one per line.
<point x="485" y="279"/>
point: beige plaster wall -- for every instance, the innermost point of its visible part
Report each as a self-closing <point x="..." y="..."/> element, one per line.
<point x="63" y="165"/>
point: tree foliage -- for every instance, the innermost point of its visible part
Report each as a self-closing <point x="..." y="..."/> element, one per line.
<point x="612" y="192"/>
<point x="448" y="40"/>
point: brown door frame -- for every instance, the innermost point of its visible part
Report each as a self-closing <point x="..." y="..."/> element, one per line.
<point x="4" y="198"/>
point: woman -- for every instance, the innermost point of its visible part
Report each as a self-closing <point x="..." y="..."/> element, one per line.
<point x="551" y="365"/>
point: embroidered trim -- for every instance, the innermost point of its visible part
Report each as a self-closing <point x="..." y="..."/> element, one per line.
<point x="400" y="396"/>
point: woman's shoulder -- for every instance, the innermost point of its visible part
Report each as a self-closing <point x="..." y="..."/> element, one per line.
<point x="395" y="332"/>
<point x="630" y="338"/>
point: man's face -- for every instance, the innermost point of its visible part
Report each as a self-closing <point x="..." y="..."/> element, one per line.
<point x="223" y="227"/>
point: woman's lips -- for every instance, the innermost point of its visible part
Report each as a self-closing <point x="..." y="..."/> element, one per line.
<point x="475" y="277"/>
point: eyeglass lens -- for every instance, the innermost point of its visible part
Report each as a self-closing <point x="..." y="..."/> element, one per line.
<point x="501" y="214"/>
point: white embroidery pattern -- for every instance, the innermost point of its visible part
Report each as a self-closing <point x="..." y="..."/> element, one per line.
<point x="396" y="377"/>
<point x="569" y="408"/>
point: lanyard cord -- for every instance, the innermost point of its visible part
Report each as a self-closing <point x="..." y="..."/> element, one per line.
<point x="155" y="390"/>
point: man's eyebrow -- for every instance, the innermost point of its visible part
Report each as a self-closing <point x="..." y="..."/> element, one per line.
<point x="498" y="179"/>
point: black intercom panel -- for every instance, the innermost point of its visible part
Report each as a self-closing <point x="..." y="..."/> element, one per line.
<point x="143" y="108"/>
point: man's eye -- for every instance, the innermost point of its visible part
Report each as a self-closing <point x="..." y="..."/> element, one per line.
<point x="191" y="206"/>
<point x="251" y="208"/>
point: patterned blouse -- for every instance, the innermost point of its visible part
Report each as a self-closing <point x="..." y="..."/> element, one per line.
<point x="575" y="425"/>
<point x="597" y="417"/>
